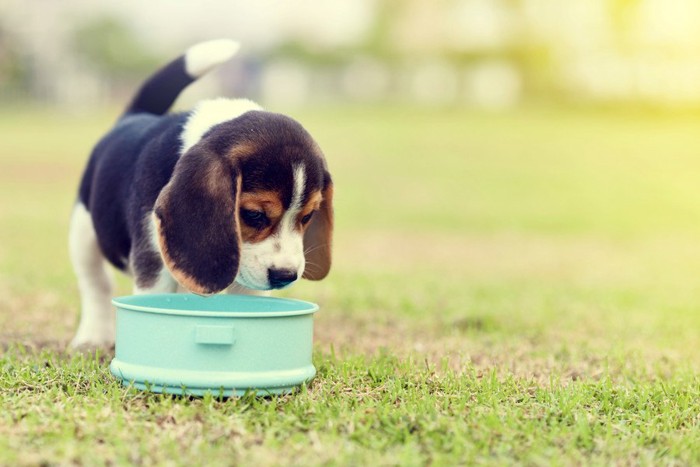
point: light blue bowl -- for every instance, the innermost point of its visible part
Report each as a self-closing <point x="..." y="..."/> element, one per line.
<point x="224" y="344"/>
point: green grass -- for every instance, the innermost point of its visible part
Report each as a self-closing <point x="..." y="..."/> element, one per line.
<point x="378" y="410"/>
<point x="517" y="287"/>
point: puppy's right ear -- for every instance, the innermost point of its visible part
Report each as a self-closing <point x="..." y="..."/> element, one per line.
<point x="196" y="218"/>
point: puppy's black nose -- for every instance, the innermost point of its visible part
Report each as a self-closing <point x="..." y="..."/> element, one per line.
<point x="281" y="277"/>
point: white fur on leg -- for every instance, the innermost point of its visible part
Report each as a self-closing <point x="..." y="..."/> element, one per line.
<point x="97" y="326"/>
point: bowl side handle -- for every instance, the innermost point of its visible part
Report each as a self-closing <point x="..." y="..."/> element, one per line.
<point x="214" y="335"/>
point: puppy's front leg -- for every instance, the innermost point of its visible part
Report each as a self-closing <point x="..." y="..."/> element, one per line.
<point x="160" y="282"/>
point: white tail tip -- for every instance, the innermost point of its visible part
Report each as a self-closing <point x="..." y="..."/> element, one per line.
<point x="203" y="57"/>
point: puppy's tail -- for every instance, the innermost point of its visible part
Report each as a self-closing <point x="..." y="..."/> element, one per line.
<point x="159" y="92"/>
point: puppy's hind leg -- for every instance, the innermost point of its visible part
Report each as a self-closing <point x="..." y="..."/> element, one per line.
<point x="96" y="328"/>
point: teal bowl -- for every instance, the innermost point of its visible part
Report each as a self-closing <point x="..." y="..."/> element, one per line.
<point x="225" y="344"/>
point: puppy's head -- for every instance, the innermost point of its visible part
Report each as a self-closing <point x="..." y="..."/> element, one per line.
<point x="252" y="201"/>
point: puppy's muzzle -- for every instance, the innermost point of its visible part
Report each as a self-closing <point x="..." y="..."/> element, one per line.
<point x="279" y="278"/>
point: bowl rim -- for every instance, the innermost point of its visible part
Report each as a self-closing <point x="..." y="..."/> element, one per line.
<point x="304" y="307"/>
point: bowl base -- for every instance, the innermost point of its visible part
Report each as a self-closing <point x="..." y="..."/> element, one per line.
<point x="198" y="383"/>
<point x="220" y="392"/>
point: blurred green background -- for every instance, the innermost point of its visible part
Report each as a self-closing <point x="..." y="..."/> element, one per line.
<point x="489" y="54"/>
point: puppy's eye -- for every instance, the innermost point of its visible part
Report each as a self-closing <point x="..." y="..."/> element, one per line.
<point x="305" y="220"/>
<point x="255" y="219"/>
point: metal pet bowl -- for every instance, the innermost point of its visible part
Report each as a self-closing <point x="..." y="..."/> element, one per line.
<point x="224" y="344"/>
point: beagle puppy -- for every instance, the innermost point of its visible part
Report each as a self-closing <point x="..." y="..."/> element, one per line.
<point x="226" y="197"/>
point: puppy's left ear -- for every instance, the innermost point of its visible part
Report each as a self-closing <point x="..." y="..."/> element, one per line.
<point x="196" y="218"/>
<point x="319" y="235"/>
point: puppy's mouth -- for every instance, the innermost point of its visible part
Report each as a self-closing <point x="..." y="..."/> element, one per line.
<point x="270" y="284"/>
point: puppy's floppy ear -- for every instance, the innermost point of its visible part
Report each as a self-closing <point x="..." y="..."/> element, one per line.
<point x="318" y="236"/>
<point x="196" y="217"/>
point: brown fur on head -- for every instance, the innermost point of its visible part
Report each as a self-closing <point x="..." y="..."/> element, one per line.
<point x="318" y="238"/>
<point x="255" y="210"/>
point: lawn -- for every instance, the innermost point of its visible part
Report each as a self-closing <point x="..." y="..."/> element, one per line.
<point x="517" y="287"/>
